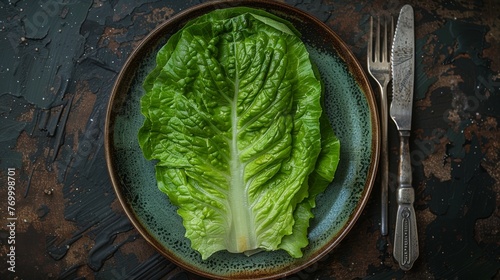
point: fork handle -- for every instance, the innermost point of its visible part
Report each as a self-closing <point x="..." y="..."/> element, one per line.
<point x="405" y="236"/>
<point x="384" y="162"/>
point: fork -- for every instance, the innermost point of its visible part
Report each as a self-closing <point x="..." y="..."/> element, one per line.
<point x="379" y="67"/>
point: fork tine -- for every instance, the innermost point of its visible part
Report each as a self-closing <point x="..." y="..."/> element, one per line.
<point x="384" y="44"/>
<point x="392" y="31"/>
<point x="370" y="41"/>
<point x="377" y="41"/>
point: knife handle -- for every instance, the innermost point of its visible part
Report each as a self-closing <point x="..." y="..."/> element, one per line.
<point x="405" y="235"/>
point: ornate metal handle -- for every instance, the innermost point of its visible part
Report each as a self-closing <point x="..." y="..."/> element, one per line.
<point x="405" y="236"/>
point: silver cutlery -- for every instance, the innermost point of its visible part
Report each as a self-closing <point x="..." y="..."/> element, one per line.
<point x="403" y="66"/>
<point x="379" y="67"/>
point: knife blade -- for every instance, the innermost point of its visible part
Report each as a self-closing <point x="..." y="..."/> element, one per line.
<point x="403" y="73"/>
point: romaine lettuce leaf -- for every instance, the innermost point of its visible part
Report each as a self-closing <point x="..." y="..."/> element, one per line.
<point x="233" y="118"/>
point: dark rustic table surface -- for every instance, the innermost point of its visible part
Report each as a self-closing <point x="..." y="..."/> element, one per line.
<point x="60" y="58"/>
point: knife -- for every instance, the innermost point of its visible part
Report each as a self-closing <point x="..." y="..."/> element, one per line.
<point x="403" y="72"/>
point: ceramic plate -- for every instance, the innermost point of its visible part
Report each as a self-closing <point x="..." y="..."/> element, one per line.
<point x="352" y="111"/>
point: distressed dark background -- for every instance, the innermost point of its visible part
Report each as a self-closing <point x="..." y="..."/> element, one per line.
<point x="59" y="60"/>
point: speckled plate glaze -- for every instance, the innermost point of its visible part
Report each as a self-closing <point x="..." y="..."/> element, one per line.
<point x="352" y="111"/>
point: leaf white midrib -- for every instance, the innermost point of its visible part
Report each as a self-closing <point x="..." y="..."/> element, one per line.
<point x="242" y="221"/>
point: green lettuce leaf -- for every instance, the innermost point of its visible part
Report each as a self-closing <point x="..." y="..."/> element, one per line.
<point x="233" y="118"/>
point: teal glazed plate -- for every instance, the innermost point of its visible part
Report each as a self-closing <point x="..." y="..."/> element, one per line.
<point x="351" y="108"/>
